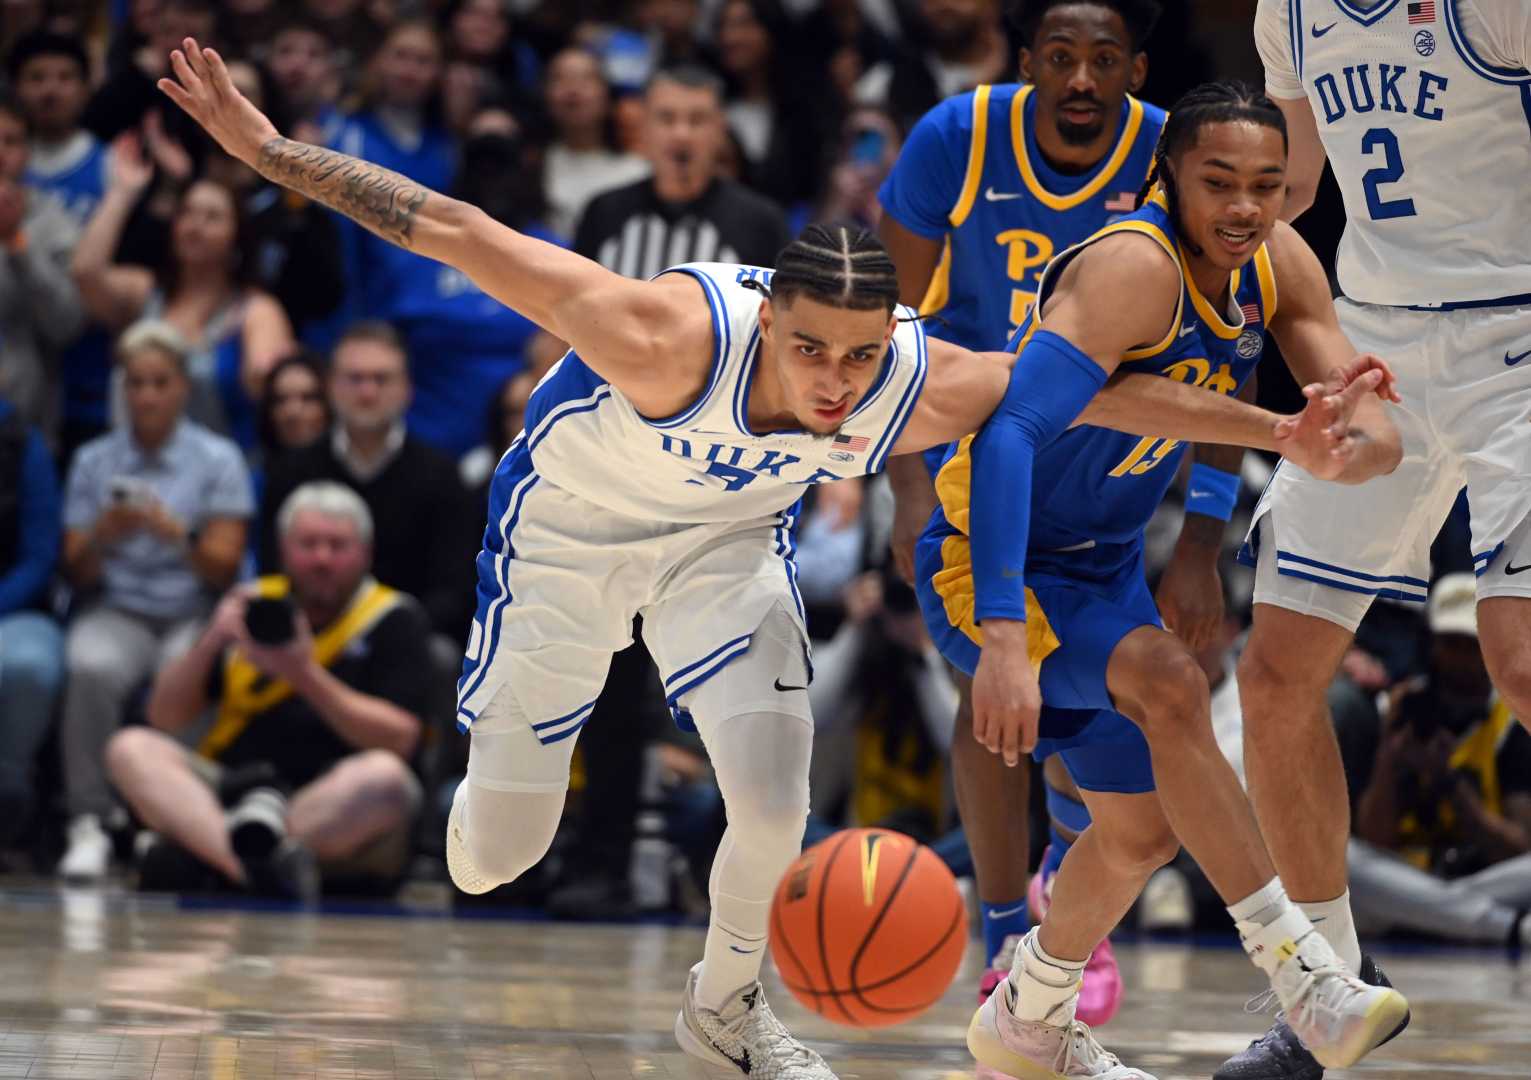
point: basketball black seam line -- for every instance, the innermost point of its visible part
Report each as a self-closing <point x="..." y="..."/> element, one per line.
<point x="829" y="864"/>
<point x="866" y="939"/>
<point x="781" y="936"/>
<point x="952" y="926"/>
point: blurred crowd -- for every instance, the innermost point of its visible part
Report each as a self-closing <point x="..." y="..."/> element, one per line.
<point x="245" y="448"/>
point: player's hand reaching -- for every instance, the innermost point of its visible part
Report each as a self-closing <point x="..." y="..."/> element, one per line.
<point x="1007" y="700"/>
<point x="201" y="85"/>
<point x="1319" y="439"/>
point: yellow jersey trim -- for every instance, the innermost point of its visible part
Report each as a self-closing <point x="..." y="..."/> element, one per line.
<point x="1158" y="235"/>
<point x="976" y="147"/>
<point x="1124" y="144"/>
<point x="1204" y="308"/>
<point x="938" y="292"/>
<point x="954" y="585"/>
<point x="1266" y="275"/>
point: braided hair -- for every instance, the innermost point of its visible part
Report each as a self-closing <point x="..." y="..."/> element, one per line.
<point x="1139" y="16"/>
<point x="842" y="266"/>
<point x="1209" y="103"/>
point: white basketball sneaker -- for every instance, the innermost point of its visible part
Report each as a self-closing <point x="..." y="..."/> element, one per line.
<point x="1339" y="1018"/>
<point x="1059" y="1048"/>
<point x="464" y="874"/>
<point x="744" y="1038"/>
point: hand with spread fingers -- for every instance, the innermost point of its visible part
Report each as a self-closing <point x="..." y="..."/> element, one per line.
<point x="201" y="85"/>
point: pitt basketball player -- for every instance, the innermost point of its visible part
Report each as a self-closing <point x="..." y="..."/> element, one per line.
<point x="990" y="186"/>
<point x="1423" y="108"/>
<point x="1031" y="579"/>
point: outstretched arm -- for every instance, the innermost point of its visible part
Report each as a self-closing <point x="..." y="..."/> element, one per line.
<point x="652" y="340"/>
<point x="1317" y="350"/>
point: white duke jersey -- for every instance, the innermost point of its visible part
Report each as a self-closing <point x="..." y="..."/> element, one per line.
<point x="704" y="464"/>
<point x="1430" y="141"/>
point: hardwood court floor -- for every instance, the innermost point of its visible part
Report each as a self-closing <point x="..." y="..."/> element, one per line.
<point x="116" y="988"/>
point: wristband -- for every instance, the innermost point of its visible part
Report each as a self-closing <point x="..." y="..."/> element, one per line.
<point x="1212" y="492"/>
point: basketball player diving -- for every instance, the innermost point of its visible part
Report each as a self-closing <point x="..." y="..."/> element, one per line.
<point x="659" y="472"/>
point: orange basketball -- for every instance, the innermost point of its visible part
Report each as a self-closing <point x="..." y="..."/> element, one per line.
<point x="868" y="928"/>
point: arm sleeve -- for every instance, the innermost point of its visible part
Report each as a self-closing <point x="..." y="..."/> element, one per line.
<point x="38" y="543"/>
<point x="1507" y="24"/>
<point x="1050" y="385"/>
<point x="926" y="180"/>
<point x="1274" y="40"/>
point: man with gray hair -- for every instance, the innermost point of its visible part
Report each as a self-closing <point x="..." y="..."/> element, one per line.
<point x="312" y="677"/>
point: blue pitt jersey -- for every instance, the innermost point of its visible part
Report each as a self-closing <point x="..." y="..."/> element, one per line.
<point x="1095" y="488"/>
<point x="972" y="176"/>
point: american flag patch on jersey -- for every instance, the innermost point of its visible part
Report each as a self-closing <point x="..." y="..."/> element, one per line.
<point x="1123" y="202"/>
<point x="1251" y="312"/>
<point x="854" y="443"/>
<point x="1421" y="11"/>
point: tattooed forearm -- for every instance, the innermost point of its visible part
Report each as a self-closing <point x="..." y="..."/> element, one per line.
<point x="369" y="195"/>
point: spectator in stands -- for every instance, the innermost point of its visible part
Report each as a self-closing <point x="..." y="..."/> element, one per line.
<point x="784" y="123"/>
<point x="1442" y="794"/>
<point x="503" y="421"/>
<point x="426" y="532"/>
<point x="883" y="704"/>
<point x="294" y="244"/>
<point x="685" y="212"/>
<point x="119" y="104"/>
<point x="50" y="75"/>
<point x="203" y="289"/>
<point x="40" y="312"/>
<point x="294" y="409"/>
<point x="463" y="343"/>
<point x="582" y="159"/>
<point x="313" y="679"/>
<point x="671" y="27"/>
<point x="155" y="515"/>
<point x="869" y="147"/>
<point x="301" y="63"/>
<point x="399" y="127"/>
<point x="31" y="644"/>
<point x="954" y="46"/>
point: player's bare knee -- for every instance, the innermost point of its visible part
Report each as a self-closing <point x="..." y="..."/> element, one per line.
<point x="1140" y="849"/>
<point x="1509" y="667"/>
<point x="1177" y="701"/>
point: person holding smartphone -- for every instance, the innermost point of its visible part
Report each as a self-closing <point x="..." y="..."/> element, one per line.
<point x="154" y="526"/>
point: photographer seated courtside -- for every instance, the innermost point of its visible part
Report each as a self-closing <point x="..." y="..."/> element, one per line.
<point x="312" y="680"/>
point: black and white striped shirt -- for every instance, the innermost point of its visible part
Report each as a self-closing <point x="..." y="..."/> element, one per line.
<point x="630" y="231"/>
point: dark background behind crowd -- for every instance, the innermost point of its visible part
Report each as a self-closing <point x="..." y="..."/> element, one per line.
<point x="245" y="446"/>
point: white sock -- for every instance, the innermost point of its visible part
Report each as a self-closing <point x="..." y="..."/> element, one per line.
<point x="1043" y="982"/>
<point x="1333" y="919"/>
<point x="1270" y="925"/>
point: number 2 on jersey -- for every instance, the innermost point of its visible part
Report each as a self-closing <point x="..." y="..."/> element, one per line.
<point x="1390" y="171"/>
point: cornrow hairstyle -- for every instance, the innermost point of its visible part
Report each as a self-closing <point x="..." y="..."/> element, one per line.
<point x="843" y="266"/>
<point x="1209" y="103"/>
<point x="1139" y="16"/>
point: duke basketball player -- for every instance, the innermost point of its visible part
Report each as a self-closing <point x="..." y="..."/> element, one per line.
<point x="660" y="471"/>
<point x="1423" y="108"/>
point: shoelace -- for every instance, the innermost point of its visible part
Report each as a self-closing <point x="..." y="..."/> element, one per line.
<point x="1324" y="1006"/>
<point x="780" y="1047"/>
<point x="1080" y="1046"/>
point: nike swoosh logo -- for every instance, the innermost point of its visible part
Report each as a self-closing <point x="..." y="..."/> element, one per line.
<point x="1188" y="330"/>
<point x="1320" y="33"/>
<point x="1509" y="568"/>
<point x="784" y="689"/>
<point x="1197" y="493"/>
<point x="990" y="195"/>
<point x="1009" y="573"/>
<point x="1511" y="361"/>
<point x="1008" y="911"/>
<point x="744" y="952"/>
